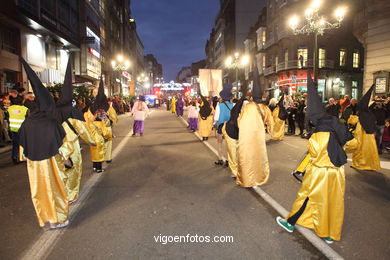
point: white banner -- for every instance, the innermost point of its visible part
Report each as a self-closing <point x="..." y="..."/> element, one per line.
<point x="210" y="81"/>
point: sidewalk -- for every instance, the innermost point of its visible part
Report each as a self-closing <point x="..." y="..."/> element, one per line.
<point x="6" y="148"/>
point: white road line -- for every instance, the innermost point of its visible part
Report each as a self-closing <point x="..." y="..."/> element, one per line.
<point x="46" y="242"/>
<point x="307" y="233"/>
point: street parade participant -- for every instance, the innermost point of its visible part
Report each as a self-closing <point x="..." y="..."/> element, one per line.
<point x="193" y="113"/>
<point x="41" y="137"/>
<point x="364" y="151"/>
<point x="222" y="115"/>
<point x="73" y="122"/>
<point x="253" y="165"/>
<point x="17" y="114"/>
<point x="320" y="201"/>
<point x="179" y="106"/>
<point x="279" y="114"/>
<point x="206" y="114"/>
<point x="173" y="105"/>
<point x="230" y="134"/>
<point x="112" y="120"/>
<point x="96" y="119"/>
<point x="140" y="112"/>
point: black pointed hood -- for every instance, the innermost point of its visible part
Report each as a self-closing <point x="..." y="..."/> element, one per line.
<point x="315" y="109"/>
<point x="43" y="98"/>
<point x="232" y="125"/>
<point x="258" y="89"/>
<point x="65" y="110"/>
<point x="100" y="101"/>
<point x="205" y="110"/>
<point x="366" y="117"/>
<point x="40" y="134"/>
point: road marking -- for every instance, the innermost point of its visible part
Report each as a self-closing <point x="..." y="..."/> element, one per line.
<point x="46" y="242"/>
<point x="307" y="233"/>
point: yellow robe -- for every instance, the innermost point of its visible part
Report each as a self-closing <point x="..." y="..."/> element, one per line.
<point x="100" y="135"/>
<point x="232" y="149"/>
<point x="108" y="144"/>
<point x="324" y="184"/>
<point x="278" y="133"/>
<point x="365" y="156"/>
<point x="173" y="105"/>
<point x="206" y="126"/>
<point x="48" y="190"/>
<point x="73" y="175"/>
<point x="253" y="165"/>
<point x="268" y="118"/>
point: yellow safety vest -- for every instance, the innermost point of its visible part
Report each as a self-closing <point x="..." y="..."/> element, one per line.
<point x="17" y="114"/>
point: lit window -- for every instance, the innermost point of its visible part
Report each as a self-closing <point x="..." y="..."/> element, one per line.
<point x="286" y="55"/>
<point x="263" y="37"/>
<point x="276" y="60"/>
<point x="321" y="57"/>
<point x="263" y="62"/>
<point x="343" y="57"/>
<point x="302" y="57"/>
<point x="356" y="59"/>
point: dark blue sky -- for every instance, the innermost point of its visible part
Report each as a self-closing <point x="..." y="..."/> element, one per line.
<point x="175" y="31"/>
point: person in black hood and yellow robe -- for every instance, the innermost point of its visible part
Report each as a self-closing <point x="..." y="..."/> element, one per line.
<point x="279" y="115"/>
<point x="112" y="120"/>
<point x="41" y="138"/>
<point x="320" y="201"/>
<point x="364" y="150"/>
<point x="206" y="114"/>
<point x="73" y="122"/>
<point x="96" y="119"/>
<point x="253" y="165"/>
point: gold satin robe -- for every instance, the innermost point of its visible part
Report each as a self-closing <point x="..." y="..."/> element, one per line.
<point x="173" y="105"/>
<point x="48" y="192"/>
<point x="232" y="149"/>
<point x="278" y="133"/>
<point x="268" y="118"/>
<point x="206" y="126"/>
<point x="324" y="184"/>
<point x="100" y="134"/>
<point x="73" y="175"/>
<point x="253" y="165"/>
<point x="108" y="144"/>
<point x="364" y="150"/>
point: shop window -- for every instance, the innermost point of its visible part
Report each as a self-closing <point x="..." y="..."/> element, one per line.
<point x="302" y="57"/>
<point x="356" y="59"/>
<point x="343" y="57"/>
<point x="321" y="57"/>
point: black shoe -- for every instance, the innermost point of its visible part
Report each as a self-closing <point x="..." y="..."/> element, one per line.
<point x="110" y="161"/>
<point x="141" y="134"/>
<point x="206" y="138"/>
<point x="133" y="135"/>
<point x="219" y="162"/>
<point x="226" y="164"/>
<point x="15" y="161"/>
<point x="298" y="176"/>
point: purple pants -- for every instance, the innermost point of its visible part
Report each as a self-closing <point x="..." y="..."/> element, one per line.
<point x="138" y="127"/>
<point x="179" y="111"/>
<point x="193" y="123"/>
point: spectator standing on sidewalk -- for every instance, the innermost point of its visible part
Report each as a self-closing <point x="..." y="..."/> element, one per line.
<point x="291" y="116"/>
<point x="344" y="102"/>
<point x="333" y="108"/>
<point x="380" y="116"/>
<point x="351" y="109"/>
<point x="300" y="116"/>
<point x="17" y="114"/>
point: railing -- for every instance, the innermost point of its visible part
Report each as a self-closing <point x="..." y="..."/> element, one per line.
<point x="284" y="34"/>
<point x="269" y="42"/>
<point x="269" y="70"/>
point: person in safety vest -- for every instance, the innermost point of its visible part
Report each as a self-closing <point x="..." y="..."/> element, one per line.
<point x="17" y="114"/>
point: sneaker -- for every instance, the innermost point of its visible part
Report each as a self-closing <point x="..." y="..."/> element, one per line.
<point x="60" y="225"/>
<point x="226" y="164"/>
<point x="99" y="171"/>
<point x="284" y="224"/>
<point x="219" y="162"/>
<point x="329" y="240"/>
<point x="298" y="176"/>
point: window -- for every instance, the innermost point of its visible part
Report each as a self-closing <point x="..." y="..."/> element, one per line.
<point x="343" y="57"/>
<point x="286" y="55"/>
<point x="302" y="57"/>
<point x="321" y="57"/>
<point x="263" y="62"/>
<point x="276" y="60"/>
<point x="263" y="37"/>
<point x="354" y="89"/>
<point x="356" y="59"/>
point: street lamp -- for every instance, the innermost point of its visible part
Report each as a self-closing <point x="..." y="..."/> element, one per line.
<point x="316" y="24"/>
<point x="120" y="64"/>
<point x="236" y="62"/>
<point x="144" y="80"/>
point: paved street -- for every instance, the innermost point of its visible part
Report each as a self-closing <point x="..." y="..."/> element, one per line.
<point x="165" y="183"/>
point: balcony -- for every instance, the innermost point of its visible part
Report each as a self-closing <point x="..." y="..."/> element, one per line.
<point x="269" y="70"/>
<point x="270" y="41"/>
<point x="284" y="34"/>
<point x="295" y="64"/>
<point x="326" y="64"/>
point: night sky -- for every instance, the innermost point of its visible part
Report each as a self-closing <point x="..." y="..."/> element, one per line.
<point x="175" y="31"/>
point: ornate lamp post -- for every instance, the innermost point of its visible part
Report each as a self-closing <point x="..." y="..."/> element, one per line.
<point x="120" y="65"/>
<point x="317" y="25"/>
<point x="236" y="62"/>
